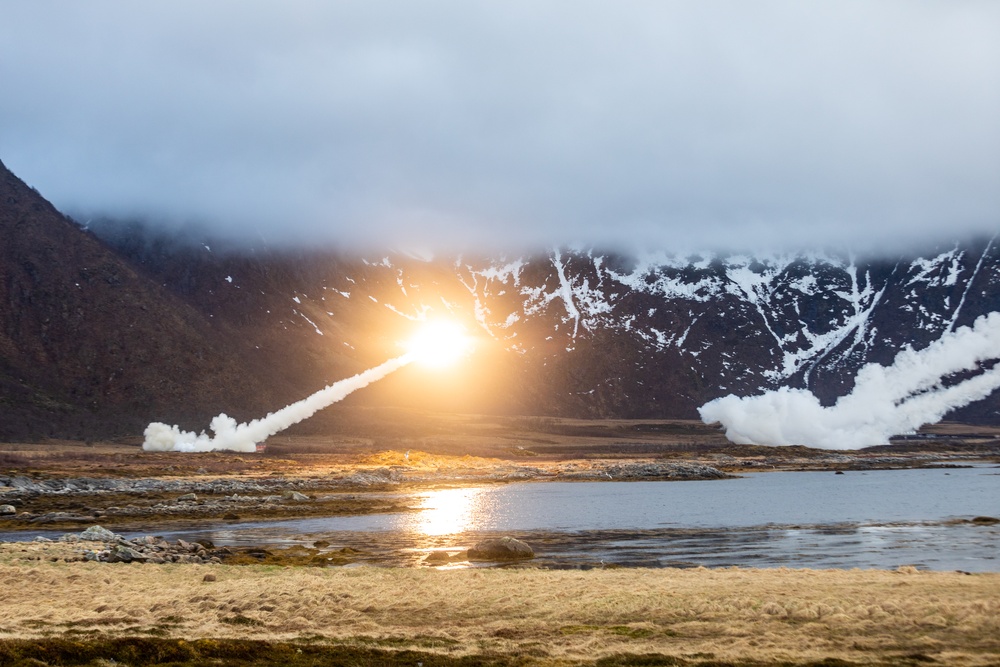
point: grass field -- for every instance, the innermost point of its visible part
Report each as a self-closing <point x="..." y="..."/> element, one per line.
<point x="144" y="614"/>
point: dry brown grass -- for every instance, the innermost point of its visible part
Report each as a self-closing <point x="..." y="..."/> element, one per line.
<point x="721" y="615"/>
<point x="419" y="459"/>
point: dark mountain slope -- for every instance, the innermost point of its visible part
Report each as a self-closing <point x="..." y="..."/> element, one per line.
<point x="90" y="347"/>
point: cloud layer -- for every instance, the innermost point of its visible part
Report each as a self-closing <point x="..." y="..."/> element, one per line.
<point x="498" y="124"/>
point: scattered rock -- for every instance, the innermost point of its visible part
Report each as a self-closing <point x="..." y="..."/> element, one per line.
<point x="501" y="548"/>
<point x="294" y="495"/>
<point x="188" y="498"/>
<point x="443" y="557"/>
<point x="645" y="470"/>
<point x="229" y="516"/>
<point x="7" y="510"/>
<point x="208" y="577"/>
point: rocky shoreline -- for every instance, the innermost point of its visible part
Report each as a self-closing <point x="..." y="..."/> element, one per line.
<point x="98" y="544"/>
<point x="55" y="501"/>
<point x="30" y="502"/>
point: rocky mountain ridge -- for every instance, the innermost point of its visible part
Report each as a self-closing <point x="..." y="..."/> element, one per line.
<point x="569" y="332"/>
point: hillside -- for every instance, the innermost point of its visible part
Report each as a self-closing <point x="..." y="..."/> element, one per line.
<point x="88" y="345"/>
<point x="104" y="330"/>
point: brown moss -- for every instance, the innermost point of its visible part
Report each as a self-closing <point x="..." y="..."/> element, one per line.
<point x="100" y="651"/>
<point x="296" y="555"/>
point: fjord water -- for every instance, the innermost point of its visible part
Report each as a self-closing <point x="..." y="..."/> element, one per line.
<point x="868" y="519"/>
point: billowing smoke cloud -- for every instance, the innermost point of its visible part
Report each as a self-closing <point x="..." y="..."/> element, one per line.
<point x="244" y="437"/>
<point x="886" y="401"/>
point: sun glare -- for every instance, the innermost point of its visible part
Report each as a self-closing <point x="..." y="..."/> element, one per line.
<point x="448" y="512"/>
<point x="439" y="344"/>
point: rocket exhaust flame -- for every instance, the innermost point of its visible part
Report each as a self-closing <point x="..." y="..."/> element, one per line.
<point x="886" y="401"/>
<point x="244" y="437"/>
<point x="438" y="344"/>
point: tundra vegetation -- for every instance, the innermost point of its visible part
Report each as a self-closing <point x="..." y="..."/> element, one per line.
<point x="78" y="613"/>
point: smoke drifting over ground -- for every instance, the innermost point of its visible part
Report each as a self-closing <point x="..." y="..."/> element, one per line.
<point x="886" y="401"/>
<point x="244" y="437"/>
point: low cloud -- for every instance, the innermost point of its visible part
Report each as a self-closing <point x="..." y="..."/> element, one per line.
<point x="502" y="124"/>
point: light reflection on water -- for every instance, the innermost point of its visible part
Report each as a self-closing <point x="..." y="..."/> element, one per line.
<point x="872" y="519"/>
<point x="446" y="512"/>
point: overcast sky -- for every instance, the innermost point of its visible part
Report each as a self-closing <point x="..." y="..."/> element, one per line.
<point x="435" y="124"/>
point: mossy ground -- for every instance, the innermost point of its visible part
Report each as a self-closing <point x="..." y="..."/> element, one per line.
<point x="123" y="651"/>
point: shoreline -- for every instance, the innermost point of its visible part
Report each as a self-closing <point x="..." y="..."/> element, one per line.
<point x="56" y="503"/>
<point x="71" y="485"/>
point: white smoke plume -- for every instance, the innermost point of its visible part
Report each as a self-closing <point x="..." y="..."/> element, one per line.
<point x="886" y="401"/>
<point x="244" y="437"/>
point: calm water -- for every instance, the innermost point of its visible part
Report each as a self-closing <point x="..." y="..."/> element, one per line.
<point x="875" y="519"/>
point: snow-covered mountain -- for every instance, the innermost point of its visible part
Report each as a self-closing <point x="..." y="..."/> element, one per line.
<point x="146" y="326"/>
<point x="731" y="324"/>
<point x="580" y="332"/>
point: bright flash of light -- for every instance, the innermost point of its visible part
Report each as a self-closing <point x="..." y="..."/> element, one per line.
<point x="438" y="344"/>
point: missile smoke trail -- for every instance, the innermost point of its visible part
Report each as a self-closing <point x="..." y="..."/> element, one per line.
<point x="886" y="401"/>
<point x="244" y="437"/>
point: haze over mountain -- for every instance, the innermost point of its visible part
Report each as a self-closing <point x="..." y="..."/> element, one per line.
<point x="103" y="331"/>
<point x="514" y="126"/>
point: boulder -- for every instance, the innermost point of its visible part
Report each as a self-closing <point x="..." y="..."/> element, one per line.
<point x="187" y="498"/>
<point x="501" y="548"/>
<point x="7" y="510"/>
<point x="436" y="558"/>
<point x="288" y="494"/>
<point x="98" y="534"/>
<point x="123" y="554"/>
<point x="188" y="546"/>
